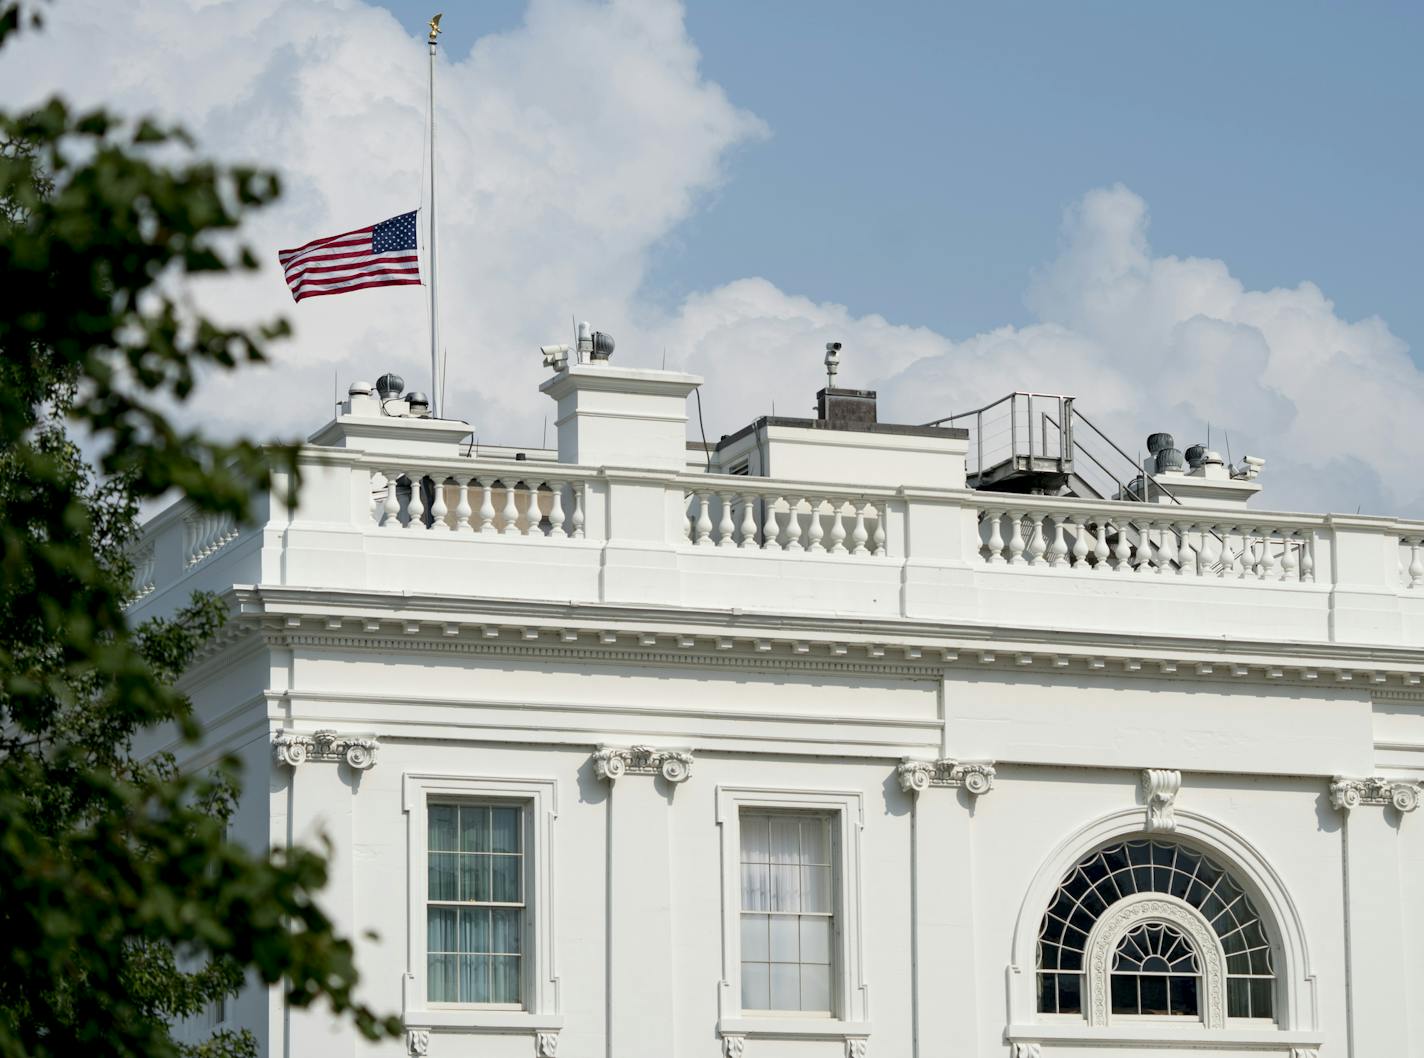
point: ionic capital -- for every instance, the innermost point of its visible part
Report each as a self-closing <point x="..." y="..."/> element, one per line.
<point x="1346" y="794"/>
<point x="613" y="762"/>
<point x="976" y="776"/>
<point x="292" y="748"/>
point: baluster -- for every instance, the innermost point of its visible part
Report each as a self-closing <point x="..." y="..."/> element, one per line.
<point x="704" y="521"/>
<point x="1122" y="550"/>
<point x="438" y="509"/>
<point x="1037" y="546"/>
<point x="486" y="505"/>
<point x="1290" y="561"/>
<point x="1016" y="540"/>
<point x="1186" y="553"/>
<point x="769" y="529"/>
<point x="462" y="507"/>
<point x="1142" y="558"/>
<point x="1268" y="558"/>
<point x="877" y="539"/>
<point x="749" y="528"/>
<point x="814" y="530"/>
<point x="858" y="535"/>
<point x="416" y="506"/>
<point x="510" y="514"/>
<point x="1307" y="556"/>
<point x="577" y="489"/>
<point x="1100" y="548"/>
<point x="533" y="517"/>
<point x="689" y="515"/>
<point x="996" y="537"/>
<point x="1058" y="548"/>
<point x="556" y="510"/>
<point x="1079" y="525"/>
<point x="726" y="528"/>
<point x="1415" y="570"/>
<point x="392" y="501"/>
<point x="793" y="524"/>
<point x="838" y="527"/>
<point x="1209" y="554"/>
<point x="1237" y="568"/>
<point x="373" y="513"/>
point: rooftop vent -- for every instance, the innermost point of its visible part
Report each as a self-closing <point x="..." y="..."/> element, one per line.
<point x="390" y="385"/>
<point x="1158" y="441"/>
<point x="419" y="405"/>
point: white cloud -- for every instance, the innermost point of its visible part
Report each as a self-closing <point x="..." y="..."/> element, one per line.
<point x="571" y="145"/>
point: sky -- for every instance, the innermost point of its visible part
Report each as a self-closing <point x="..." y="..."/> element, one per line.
<point x="1182" y="215"/>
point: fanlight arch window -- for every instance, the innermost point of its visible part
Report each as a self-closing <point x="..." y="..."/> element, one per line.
<point x="1157" y="967"/>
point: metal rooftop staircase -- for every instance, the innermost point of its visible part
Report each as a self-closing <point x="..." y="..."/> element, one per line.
<point x="1041" y="443"/>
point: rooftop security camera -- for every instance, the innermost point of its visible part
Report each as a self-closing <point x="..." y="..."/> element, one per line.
<point x="833" y="360"/>
<point x="555" y="356"/>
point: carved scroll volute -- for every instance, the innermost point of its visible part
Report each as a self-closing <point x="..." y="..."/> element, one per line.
<point x="1160" y="787"/>
<point x="917" y="776"/>
<point x="1346" y="794"/>
<point x="612" y="763"/>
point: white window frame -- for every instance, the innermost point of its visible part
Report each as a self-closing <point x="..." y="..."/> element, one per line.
<point x="849" y="991"/>
<point x="539" y="798"/>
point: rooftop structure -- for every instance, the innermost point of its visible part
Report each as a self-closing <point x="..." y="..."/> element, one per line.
<point x="814" y="741"/>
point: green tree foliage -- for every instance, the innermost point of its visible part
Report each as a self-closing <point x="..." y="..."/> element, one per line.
<point x="124" y="907"/>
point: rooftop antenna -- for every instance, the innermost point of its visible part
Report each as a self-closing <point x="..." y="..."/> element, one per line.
<point x="1229" y="460"/>
<point x="544" y="441"/>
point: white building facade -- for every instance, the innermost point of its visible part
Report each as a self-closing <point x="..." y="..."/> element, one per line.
<point x="797" y="747"/>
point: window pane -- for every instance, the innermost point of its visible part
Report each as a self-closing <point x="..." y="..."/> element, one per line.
<point x="1047" y="998"/>
<point x="474" y="828"/>
<point x="474" y="930"/>
<point x="504" y="829"/>
<point x="506" y="889"/>
<point x="1124" y="994"/>
<point x="755" y="986"/>
<point x="474" y="877"/>
<point x="440" y="929"/>
<point x="1154" y="994"/>
<point x="816" y="889"/>
<point x="815" y="843"/>
<point x="442" y="976"/>
<point x="441" y="879"/>
<point x="755" y="943"/>
<point x="785" y="839"/>
<point x="1261" y="990"/>
<point x="441" y="828"/>
<point x="756" y="886"/>
<point x="784" y="945"/>
<point x="785" y="986"/>
<point x="1238" y="998"/>
<point x="504" y="984"/>
<point x="815" y="988"/>
<point x="474" y="979"/>
<point x="1183" y="994"/>
<point x="1070" y="993"/>
<point x="785" y="887"/>
<point x="815" y="939"/>
<point x="505" y="935"/>
<point x="754" y="839"/>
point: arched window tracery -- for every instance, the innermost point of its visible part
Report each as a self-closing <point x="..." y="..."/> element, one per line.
<point x="1128" y="872"/>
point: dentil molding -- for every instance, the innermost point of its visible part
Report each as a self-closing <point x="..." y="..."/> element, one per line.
<point x="292" y="748"/>
<point x="612" y="762"/>
<point x="1160" y="786"/>
<point x="916" y="776"/>
<point x="1346" y="794"/>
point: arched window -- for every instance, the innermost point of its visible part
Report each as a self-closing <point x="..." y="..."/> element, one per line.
<point x="1176" y="922"/>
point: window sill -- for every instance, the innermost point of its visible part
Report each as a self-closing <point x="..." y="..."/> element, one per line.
<point x="793" y="1028"/>
<point x="483" y="1020"/>
<point x="1141" y="1033"/>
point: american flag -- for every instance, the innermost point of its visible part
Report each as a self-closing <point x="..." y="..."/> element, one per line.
<point x="379" y="255"/>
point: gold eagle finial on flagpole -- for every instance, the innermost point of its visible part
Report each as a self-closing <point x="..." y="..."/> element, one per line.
<point x="435" y="27"/>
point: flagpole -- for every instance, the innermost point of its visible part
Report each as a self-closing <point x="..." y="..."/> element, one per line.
<point x="436" y="382"/>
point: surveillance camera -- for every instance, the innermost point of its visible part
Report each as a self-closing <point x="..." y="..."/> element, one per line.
<point x="555" y="356"/>
<point x="1255" y="461"/>
<point x="833" y="347"/>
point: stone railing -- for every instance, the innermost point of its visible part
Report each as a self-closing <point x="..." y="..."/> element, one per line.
<point x="512" y="499"/>
<point x="749" y="513"/>
<point x="1065" y="533"/>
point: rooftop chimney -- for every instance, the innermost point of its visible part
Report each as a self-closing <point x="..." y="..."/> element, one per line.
<point x="846" y="409"/>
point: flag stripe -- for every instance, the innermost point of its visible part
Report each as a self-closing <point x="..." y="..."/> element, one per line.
<point x="380" y="255"/>
<point x="363" y="286"/>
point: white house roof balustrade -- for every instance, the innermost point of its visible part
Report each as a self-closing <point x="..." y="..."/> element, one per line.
<point x="1068" y="775"/>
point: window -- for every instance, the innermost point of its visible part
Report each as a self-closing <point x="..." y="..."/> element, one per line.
<point x="1130" y="872"/>
<point x="788" y="912"/>
<point x="475" y="907"/>
<point x="481" y="909"/>
<point x="1156" y="971"/>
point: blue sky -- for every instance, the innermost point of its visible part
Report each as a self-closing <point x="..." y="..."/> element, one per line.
<point x="1185" y="215"/>
<point x="920" y="154"/>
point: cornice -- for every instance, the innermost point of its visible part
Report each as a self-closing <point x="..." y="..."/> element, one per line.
<point x="905" y="648"/>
